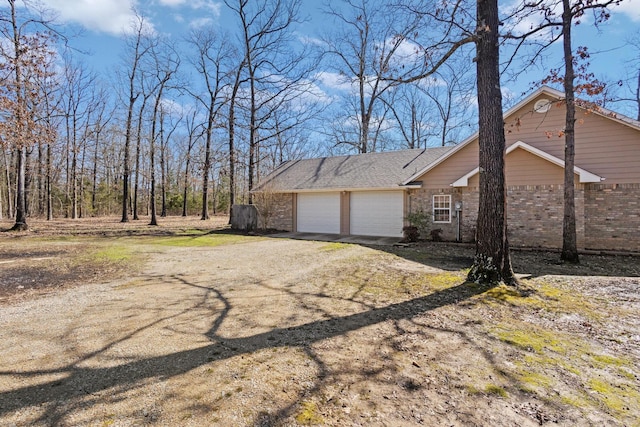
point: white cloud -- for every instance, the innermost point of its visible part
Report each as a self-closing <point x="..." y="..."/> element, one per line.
<point x="109" y="16"/>
<point x="116" y="16"/>
<point x="200" y="22"/>
<point x="334" y="81"/>
<point x="210" y="5"/>
<point x="631" y="8"/>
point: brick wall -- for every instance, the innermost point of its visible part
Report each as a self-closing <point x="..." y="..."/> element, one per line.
<point x="535" y="215"/>
<point x="614" y="216"/>
<point x="276" y="209"/>
<point x="423" y="199"/>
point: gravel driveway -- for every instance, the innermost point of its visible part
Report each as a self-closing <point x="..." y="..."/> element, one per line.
<point x="279" y="332"/>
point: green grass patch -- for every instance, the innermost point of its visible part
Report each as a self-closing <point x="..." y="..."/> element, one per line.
<point x="533" y="339"/>
<point x="495" y="390"/>
<point x="309" y="415"/>
<point x="396" y="282"/>
<point x="621" y="399"/>
<point x="201" y="240"/>
<point x="113" y="253"/>
<point x="543" y="296"/>
<point x="534" y="379"/>
<point x="334" y="246"/>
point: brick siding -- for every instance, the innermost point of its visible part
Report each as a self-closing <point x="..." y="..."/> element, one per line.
<point x="617" y="209"/>
<point x="280" y="211"/>
<point x="607" y="216"/>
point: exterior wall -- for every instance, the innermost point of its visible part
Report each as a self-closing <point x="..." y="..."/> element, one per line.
<point x="604" y="146"/>
<point x="423" y="199"/>
<point x="459" y="164"/>
<point x="607" y="215"/>
<point x="534" y="215"/>
<point x="280" y="208"/>
<point x="345" y="212"/>
<point x="613" y="213"/>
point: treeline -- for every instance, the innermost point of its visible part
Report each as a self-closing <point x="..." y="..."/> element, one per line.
<point x="189" y="126"/>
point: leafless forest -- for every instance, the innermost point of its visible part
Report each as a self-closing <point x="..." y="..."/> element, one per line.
<point x="189" y="126"/>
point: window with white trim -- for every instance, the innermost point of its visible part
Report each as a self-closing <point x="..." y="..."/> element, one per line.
<point x="442" y="208"/>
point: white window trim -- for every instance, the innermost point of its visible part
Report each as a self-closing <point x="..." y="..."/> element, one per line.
<point x="433" y="210"/>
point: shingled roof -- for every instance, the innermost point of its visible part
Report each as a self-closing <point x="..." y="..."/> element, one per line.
<point x="385" y="170"/>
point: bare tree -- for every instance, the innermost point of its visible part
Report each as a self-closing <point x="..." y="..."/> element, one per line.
<point x="192" y="137"/>
<point x="212" y="52"/>
<point x="165" y="65"/>
<point x="275" y="73"/>
<point x="370" y="43"/>
<point x="138" y="48"/>
<point x="557" y="20"/>
<point x="104" y="115"/>
<point x="78" y="109"/>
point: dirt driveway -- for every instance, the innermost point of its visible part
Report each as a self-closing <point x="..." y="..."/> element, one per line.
<point x="281" y="332"/>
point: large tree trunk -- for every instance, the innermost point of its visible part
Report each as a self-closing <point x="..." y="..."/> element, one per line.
<point x="569" y="238"/>
<point x="9" y="184"/>
<point x="205" y="169"/>
<point x="492" y="263"/>
<point x="21" y="205"/>
<point x="138" y="153"/>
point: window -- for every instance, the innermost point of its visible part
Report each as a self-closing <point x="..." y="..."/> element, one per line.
<point x="442" y="208"/>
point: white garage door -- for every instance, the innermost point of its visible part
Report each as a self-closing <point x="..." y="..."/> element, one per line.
<point x="319" y="213"/>
<point x="377" y="213"/>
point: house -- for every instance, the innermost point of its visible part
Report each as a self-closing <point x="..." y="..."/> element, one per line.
<point x="371" y="194"/>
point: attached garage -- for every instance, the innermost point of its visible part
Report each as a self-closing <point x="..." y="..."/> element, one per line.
<point x="377" y="213"/>
<point x="318" y="213"/>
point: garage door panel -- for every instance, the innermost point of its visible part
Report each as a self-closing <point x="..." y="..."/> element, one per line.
<point x="377" y="213"/>
<point x="319" y="213"/>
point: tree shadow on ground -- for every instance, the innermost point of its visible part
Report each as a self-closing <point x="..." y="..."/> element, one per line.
<point x="80" y="381"/>
<point x="536" y="263"/>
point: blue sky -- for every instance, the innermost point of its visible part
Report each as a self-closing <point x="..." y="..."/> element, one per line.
<point x="104" y="21"/>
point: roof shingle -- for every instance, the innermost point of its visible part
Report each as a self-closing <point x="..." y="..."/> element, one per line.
<point x="362" y="171"/>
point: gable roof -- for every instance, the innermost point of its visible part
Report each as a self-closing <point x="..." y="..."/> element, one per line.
<point x="386" y="170"/>
<point x="543" y="90"/>
<point x="585" y="176"/>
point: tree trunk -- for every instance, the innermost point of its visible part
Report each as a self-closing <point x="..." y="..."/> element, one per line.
<point x="152" y="198"/>
<point x="492" y="263"/>
<point x="207" y="167"/>
<point x="125" y="173"/>
<point x="74" y="178"/>
<point x="163" y="175"/>
<point x="94" y="188"/>
<point x="9" y="185"/>
<point x="569" y="238"/>
<point x="638" y="96"/>
<point x="21" y="206"/>
<point x="40" y="183"/>
<point x="136" y="179"/>
<point x="49" y="195"/>
<point x="186" y="179"/>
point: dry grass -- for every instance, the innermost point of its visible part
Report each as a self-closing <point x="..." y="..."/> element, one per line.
<point x="193" y="327"/>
